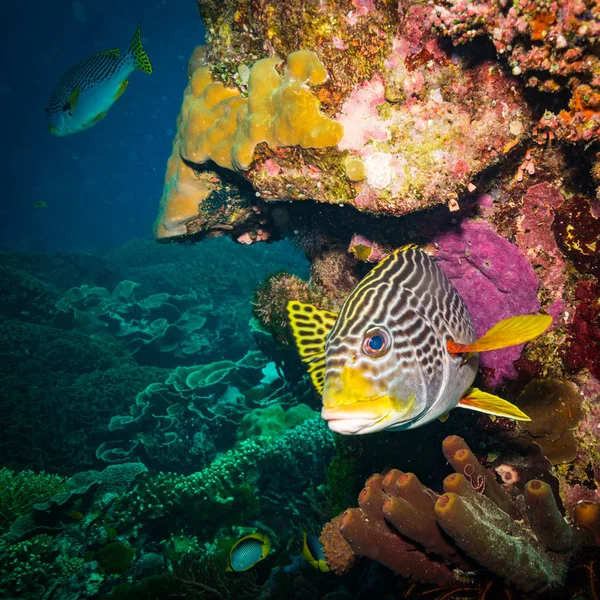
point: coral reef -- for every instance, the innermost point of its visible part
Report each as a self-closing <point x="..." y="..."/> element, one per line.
<point x="19" y="491"/>
<point x="159" y="329"/>
<point x="409" y="128"/>
<point x="552" y="47"/>
<point x="111" y="530"/>
<point x="181" y="422"/>
<point x="584" y="330"/>
<point x="350" y="128"/>
<point x="518" y="533"/>
<point x="555" y="408"/>
<point x="273" y="420"/>
<point x="62" y="386"/>
<point x="216" y="123"/>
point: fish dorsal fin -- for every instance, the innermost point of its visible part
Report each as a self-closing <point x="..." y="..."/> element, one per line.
<point x="73" y="98"/>
<point x="311" y="326"/>
<point x="509" y="332"/>
<point x="492" y="405"/>
<point x="405" y="248"/>
<point x="114" y="53"/>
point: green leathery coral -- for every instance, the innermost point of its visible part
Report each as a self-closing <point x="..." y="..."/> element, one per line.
<point x="273" y="419"/>
<point x="116" y="557"/>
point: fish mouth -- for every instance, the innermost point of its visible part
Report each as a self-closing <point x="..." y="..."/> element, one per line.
<point x="355" y="422"/>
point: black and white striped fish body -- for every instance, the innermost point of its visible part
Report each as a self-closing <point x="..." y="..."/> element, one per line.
<point x="387" y="366"/>
<point x="402" y="351"/>
<point x="87" y="90"/>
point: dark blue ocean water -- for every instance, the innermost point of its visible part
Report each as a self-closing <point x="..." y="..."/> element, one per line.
<point x="102" y="186"/>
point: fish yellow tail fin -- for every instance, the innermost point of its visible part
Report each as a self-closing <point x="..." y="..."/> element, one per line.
<point x="140" y="58"/>
<point x="509" y="332"/>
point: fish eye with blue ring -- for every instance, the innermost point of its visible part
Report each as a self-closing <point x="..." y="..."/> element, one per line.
<point x="377" y="342"/>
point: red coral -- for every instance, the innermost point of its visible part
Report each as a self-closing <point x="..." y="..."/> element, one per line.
<point x="584" y="332"/>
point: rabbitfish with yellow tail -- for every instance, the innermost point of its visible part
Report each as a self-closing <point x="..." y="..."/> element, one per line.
<point x="88" y="89"/>
<point x="403" y="350"/>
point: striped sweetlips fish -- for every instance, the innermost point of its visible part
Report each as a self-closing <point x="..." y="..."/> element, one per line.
<point x="403" y="350"/>
<point x="88" y="89"/>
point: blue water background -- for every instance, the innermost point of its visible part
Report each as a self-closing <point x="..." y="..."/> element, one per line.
<point x="102" y="186"/>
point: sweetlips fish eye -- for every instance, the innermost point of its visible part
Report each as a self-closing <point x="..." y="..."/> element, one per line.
<point x="377" y="342"/>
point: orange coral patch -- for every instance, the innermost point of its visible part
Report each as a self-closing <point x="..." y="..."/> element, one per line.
<point x="540" y="24"/>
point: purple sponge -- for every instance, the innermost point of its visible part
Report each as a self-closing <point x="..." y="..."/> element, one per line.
<point x="495" y="280"/>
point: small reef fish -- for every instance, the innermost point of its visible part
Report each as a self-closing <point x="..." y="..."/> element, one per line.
<point x="313" y="553"/>
<point x="88" y="89"/>
<point x="403" y="350"/>
<point x="248" y="551"/>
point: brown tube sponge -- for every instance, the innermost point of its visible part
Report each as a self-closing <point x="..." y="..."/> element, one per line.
<point x="459" y="455"/>
<point x="545" y="518"/>
<point x="375" y="539"/>
<point x="389" y="482"/>
<point x="412" y="514"/>
<point x="495" y="541"/>
<point x="375" y="481"/>
<point x="587" y="516"/>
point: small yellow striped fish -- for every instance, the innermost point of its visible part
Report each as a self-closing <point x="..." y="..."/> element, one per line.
<point x="88" y="89"/>
<point x="403" y="350"/>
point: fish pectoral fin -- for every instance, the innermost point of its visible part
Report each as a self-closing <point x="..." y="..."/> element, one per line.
<point x="466" y="357"/>
<point x="72" y="100"/>
<point x="444" y="417"/>
<point x="310" y="327"/>
<point x="122" y="88"/>
<point x="509" y="332"/>
<point x="95" y="119"/>
<point x="492" y="405"/>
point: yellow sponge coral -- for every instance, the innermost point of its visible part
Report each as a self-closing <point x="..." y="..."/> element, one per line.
<point x="208" y="121"/>
<point x="283" y="111"/>
<point x="217" y="123"/>
<point x="182" y="194"/>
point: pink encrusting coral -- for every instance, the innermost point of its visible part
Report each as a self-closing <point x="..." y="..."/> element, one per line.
<point x="426" y="126"/>
<point x="360" y="118"/>
<point x="495" y="280"/>
<point x="536" y="240"/>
